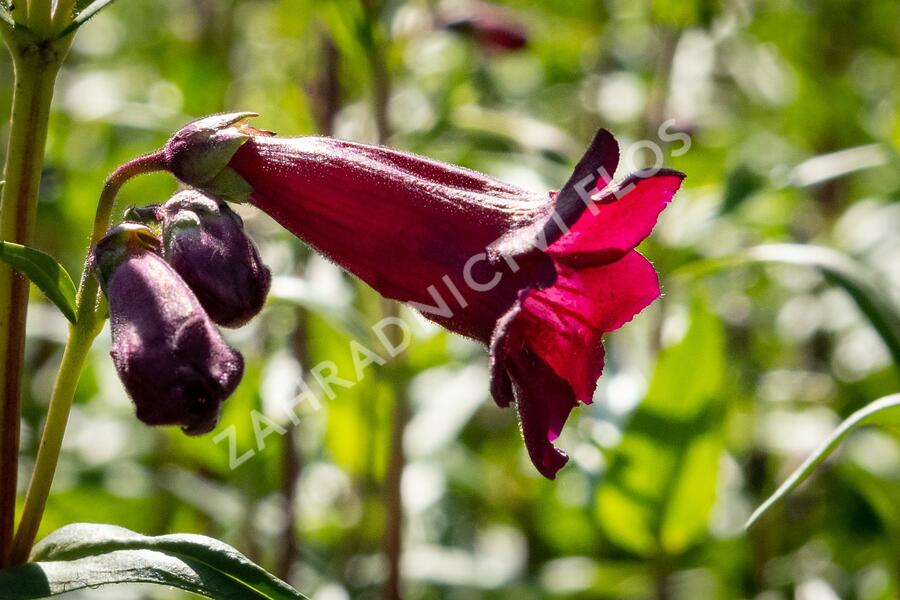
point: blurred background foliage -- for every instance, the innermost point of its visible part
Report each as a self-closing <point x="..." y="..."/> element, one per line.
<point x="710" y="397"/>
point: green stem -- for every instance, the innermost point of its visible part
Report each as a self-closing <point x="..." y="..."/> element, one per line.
<point x="81" y="336"/>
<point x="63" y="14"/>
<point x="39" y="14"/>
<point x="76" y="352"/>
<point x="36" y="65"/>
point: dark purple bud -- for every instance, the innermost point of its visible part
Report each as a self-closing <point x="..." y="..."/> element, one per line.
<point x="200" y="151"/>
<point x="170" y="357"/>
<point x="205" y="242"/>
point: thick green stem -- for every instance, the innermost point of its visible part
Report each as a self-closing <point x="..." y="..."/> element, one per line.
<point x="81" y="336"/>
<point x="39" y="15"/>
<point x="36" y="65"/>
<point x="63" y="14"/>
<point x="58" y="415"/>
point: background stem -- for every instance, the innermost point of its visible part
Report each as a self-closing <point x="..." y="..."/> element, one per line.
<point x="393" y="499"/>
<point x="36" y="65"/>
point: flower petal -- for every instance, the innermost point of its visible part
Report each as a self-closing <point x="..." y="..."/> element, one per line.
<point x="617" y="220"/>
<point x="543" y="400"/>
<point x="593" y="172"/>
<point x="564" y="323"/>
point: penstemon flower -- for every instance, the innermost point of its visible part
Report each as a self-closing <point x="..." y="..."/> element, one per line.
<point x="537" y="278"/>
<point x="170" y="357"/>
<point x="204" y="241"/>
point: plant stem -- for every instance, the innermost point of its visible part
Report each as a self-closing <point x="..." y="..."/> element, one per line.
<point x="76" y="352"/>
<point x="36" y="65"/>
<point x="39" y="13"/>
<point x="81" y="336"/>
<point x="63" y="14"/>
<point x="393" y="499"/>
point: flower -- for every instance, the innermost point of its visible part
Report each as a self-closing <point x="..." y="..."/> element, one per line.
<point x="170" y="357"/>
<point x="205" y="242"/>
<point x="490" y="26"/>
<point x="539" y="279"/>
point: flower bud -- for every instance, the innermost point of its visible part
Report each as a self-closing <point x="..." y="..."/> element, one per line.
<point x="205" y="242"/>
<point x="199" y="153"/>
<point x="170" y="357"/>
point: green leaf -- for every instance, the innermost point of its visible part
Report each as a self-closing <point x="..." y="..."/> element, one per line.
<point x="84" y="16"/>
<point x="661" y="482"/>
<point x="44" y="272"/>
<point x="837" y="267"/>
<point x="740" y="185"/>
<point x="884" y="412"/>
<point x="86" y="555"/>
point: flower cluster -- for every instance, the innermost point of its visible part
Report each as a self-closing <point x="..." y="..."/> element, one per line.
<point x="166" y="297"/>
<point x="537" y="278"/>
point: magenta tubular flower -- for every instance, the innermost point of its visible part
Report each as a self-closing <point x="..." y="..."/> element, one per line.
<point x="170" y="357"/>
<point x="205" y="242"/>
<point x="539" y="279"/>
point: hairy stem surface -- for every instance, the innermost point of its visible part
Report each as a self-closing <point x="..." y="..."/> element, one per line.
<point x="36" y="65"/>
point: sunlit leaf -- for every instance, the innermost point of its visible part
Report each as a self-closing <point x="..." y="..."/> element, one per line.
<point x="50" y="277"/>
<point x="692" y="494"/>
<point x="824" y="167"/>
<point x="86" y="555"/>
<point x="836" y="266"/>
<point x="884" y="411"/>
<point x="662" y="478"/>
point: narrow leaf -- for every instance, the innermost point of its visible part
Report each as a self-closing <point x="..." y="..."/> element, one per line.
<point x="86" y="555"/>
<point x="839" y="268"/>
<point x="44" y="272"/>
<point x="825" y="167"/>
<point x="7" y="18"/>
<point x="84" y="16"/>
<point x="884" y="411"/>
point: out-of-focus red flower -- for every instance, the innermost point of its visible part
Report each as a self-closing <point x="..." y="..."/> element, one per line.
<point x="490" y="26"/>
<point x="537" y="278"/>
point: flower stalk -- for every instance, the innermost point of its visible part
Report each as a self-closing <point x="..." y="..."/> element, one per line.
<point x="36" y="64"/>
<point x="89" y="322"/>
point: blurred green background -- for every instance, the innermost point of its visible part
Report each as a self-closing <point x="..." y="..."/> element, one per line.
<point x="710" y="397"/>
